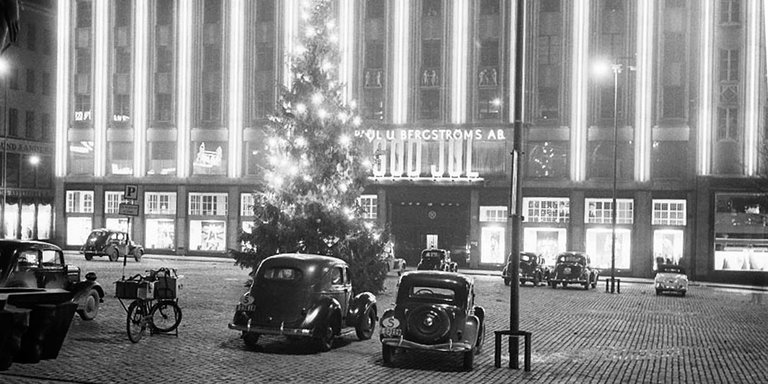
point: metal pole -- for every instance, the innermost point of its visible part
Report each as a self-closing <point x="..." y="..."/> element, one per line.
<point x="616" y="71"/>
<point x="5" y="155"/>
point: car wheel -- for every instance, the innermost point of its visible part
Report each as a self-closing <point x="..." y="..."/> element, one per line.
<point x="428" y="324"/>
<point x="565" y="285"/>
<point x="137" y="254"/>
<point x="367" y="324"/>
<point x="251" y="339"/>
<point x="90" y="306"/>
<point x="386" y="354"/>
<point x="88" y="256"/>
<point x="325" y="340"/>
<point x="553" y="284"/>
<point x="536" y="280"/>
<point x="469" y="360"/>
<point x="480" y="337"/>
<point x="113" y="254"/>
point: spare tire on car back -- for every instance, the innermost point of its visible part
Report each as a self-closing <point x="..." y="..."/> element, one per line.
<point x="428" y="324"/>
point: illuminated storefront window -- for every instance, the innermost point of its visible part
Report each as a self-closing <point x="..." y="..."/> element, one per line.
<point x="27" y="221"/>
<point x="547" y="242"/>
<point x="44" y="221"/>
<point x="205" y="232"/>
<point x="160" y="210"/>
<point x="599" y="247"/>
<point x="117" y="224"/>
<point x="11" y="221"/>
<point x="369" y="204"/>
<point x="246" y="212"/>
<point x="78" y="229"/>
<point x="210" y="158"/>
<point x="741" y="232"/>
<point x="492" y="234"/>
<point x="669" y="222"/>
<point x="79" y="211"/>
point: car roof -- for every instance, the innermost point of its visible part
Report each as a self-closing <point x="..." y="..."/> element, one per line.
<point x="298" y="260"/>
<point x="446" y="278"/>
<point x="572" y="253"/>
<point x="106" y="230"/>
<point x="7" y="246"/>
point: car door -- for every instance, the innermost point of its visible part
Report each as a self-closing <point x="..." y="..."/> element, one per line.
<point x="52" y="272"/>
<point x="341" y="288"/>
<point x="24" y="273"/>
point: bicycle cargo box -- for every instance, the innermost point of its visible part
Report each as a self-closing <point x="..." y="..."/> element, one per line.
<point x="165" y="288"/>
<point x="146" y="290"/>
<point x="126" y="289"/>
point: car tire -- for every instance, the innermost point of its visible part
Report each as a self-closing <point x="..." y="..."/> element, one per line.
<point x="480" y="337"/>
<point x="565" y="285"/>
<point x="367" y="325"/>
<point x="88" y="256"/>
<point x="435" y="332"/>
<point x="469" y="360"/>
<point x="113" y="254"/>
<point x="536" y="280"/>
<point x="325" y="340"/>
<point x="386" y="354"/>
<point x="137" y="254"/>
<point x="90" y="306"/>
<point x="553" y="284"/>
<point x="251" y="339"/>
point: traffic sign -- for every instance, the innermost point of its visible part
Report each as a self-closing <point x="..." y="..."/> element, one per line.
<point x="131" y="192"/>
<point x="128" y="209"/>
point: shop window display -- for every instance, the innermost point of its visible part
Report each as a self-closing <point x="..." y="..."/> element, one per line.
<point x="207" y="235"/>
<point x="741" y="232"/>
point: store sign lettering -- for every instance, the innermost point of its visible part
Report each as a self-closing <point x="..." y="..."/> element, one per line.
<point x="432" y="134"/>
<point x="19" y="147"/>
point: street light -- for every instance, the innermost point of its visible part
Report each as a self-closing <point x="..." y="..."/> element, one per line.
<point x="4" y="70"/>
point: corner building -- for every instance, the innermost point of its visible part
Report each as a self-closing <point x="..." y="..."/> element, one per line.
<point x="172" y="96"/>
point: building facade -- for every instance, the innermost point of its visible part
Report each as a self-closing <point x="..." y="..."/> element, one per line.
<point x="171" y="96"/>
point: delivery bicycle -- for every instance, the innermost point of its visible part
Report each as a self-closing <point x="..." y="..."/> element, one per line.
<point x="155" y="304"/>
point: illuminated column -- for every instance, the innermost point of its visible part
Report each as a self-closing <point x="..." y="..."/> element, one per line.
<point x="347" y="47"/>
<point x="184" y="85"/>
<point x="100" y="85"/>
<point x="643" y="82"/>
<point x="140" y="92"/>
<point x="752" y="87"/>
<point x="579" y="76"/>
<point x="63" y="97"/>
<point x="400" y="66"/>
<point x="459" y="64"/>
<point x="290" y="29"/>
<point x="236" y="33"/>
<point x="704" y="120"/>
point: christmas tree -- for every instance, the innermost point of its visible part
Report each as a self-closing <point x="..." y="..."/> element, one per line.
<point x="314" y="172"/>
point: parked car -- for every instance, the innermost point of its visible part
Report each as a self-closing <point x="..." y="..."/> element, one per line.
<point x="574" y="268"/>
<point x="532" y="268"/>
<point x="671" y="278"/>
<point x="434" y="259"/>
<point x="303" y="295"/>
<point x="111" y="243"/>
<point x="434" y="311"/>
<point x="37" y="264"/>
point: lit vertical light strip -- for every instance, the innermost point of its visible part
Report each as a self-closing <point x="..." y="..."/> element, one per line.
<point x="346" y="47"/>
<point x="290" y="31"/>
<point x="100" y="85"/>
<point x="752" y="96"/>
<point x="512" y="61"/>
<point x="63" y="45"/>
<point x="704" y="159"/>
<point x="236" y="73"/>
<point x="400" y="63"/>
<point x="643" y="82"/>
<point x="140" y="65"/>
<point x="579" y="76"/>
<point x="460" y="44"/>
<point x="184" y="86"/>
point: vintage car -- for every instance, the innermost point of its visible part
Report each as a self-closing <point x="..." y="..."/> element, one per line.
<point x="37" y="264"/>
<point x="306" y="296"/>
<point x="111" y="243"/>
<point x="574" y="268"/>
<point x="670" y="278"/>
<point x="434" y="311"/>
<point x="532" y="268"/>
<point x="434" y="259"/>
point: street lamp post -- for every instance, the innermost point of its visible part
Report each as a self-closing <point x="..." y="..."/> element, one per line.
<point x="4" y="68"/>
<point x="616" y="71"/>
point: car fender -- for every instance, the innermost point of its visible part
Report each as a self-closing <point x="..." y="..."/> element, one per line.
<point x="471" y="329"/>
<point x="358" y="306"/>
<point x="324" y="312"/>
<point x="82" y="289"/>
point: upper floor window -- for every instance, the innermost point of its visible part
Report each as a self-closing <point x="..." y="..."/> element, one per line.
<point x="112" y="200"/>
<point x="369" y="205"/>
<point x="668" y="212"/>
<point x="729" y="65"/>
<point x="212" y="11"/>
<point x="164" y="12"/>
<point x="374" y="9"/>
<point x="265" y="9"/>
<point x="727" y="123"/>
<point x="489" y="7"/>
<point x="431" y="7"/>
<point x="84" y="14"/>
<point x="79" y="201"/>
<point x="730" y="11"/>
<point x="550" y="5"/>
<point x="546" y="209"/>
<point x="160" y="203"/>
<point x="493" y="214"/>
<point x="208" y="204"/>
<point x="247" y="201"/>
<point x="31" y="37"/>
<point x="600" y="211"/>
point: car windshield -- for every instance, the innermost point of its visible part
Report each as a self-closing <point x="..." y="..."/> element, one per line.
<point x="570" y="259"/>
<point x="672" y="269"/>
<point x="96" y="234"/>
<point x="282" y="273"/>
<point x="432" y="293"/>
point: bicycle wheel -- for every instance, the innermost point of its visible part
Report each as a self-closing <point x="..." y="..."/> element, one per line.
<point x="136" y="322"/>
<point x="166" y="315"/>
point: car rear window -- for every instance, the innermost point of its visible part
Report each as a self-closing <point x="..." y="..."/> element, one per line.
<point x="282" y="273"/>
<point x="679" y="270"/>
<point x="435" y="255"/>
<point x="570" y="259"/>
<point x="432" y="293"/>
<point x="525" y="258"/>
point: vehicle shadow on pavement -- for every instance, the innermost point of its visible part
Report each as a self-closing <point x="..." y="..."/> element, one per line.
<point x="424" y="361"/>
<point x="280" y="345"/>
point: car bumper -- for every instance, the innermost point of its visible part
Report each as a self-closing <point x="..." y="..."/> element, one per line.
<point x="450" y="346"/>
<point x="271" y="330"/>
<point x="671" y="287"/>
<point x="574" y="280"/>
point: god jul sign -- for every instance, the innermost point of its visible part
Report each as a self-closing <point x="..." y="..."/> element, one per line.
<point x="398" y="153"/>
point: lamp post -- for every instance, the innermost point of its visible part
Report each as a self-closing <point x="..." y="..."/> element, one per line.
<point x="4" y="69"/>
<point x="616" y="68"/>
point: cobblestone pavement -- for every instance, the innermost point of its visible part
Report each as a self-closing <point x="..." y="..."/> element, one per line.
<point x="713" y="335"/>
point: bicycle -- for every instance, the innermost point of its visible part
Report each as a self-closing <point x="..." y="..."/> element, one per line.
<point x="154" y="306"/>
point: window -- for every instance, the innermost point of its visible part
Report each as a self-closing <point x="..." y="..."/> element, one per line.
<point x="31" y="80"/>
<point x="211" y="106"/>
<point x="730" y="11"/>
<point x="547" y="159"/>
<point x="14" y="79"/>
<point x="369" y="205"/>
<point x="599" y="211"/>
<point x="668" y="212"/>
<point x="29" y="125"/>
<point x="546" y="209"/>
<point x="613" y="5"/>
<point x="163" y="111"/>
<point x="120" y="158"/>
<point x="549" y="102"/>
<point x="265" y="9"/>
<point x="112" y="200"/>
<point x="82" y="107"/>
<point x="489" y="7"/>
<point x="162" y="158"/>
<point x="32" y="37"/>
<point x="160" y="203"/>
<point x="729" y="65"/>
<point x="45" y="127"/>
<point x="431" y="7"/>
<point x="84" y="14"/>
<point x="13" y="122"/>
<point x="46" y="83"/>
<point x="212" y="11"/>
<point x="429" y="101"/>
<point x="208" y="204"/>
<point x="548" y="48"/>
<point x="374" y="9"/>
<point x="493" y="214"/>
<point x="674" y="102"/>
<point x="675" y="3"/>
<point x="489" y="53"/>
<point x="550" y="5"/>
<point x="265" y="57"/>
<point x="79" y="201"/>
<point x="488" y="104"/>
<point x="164" y="59"/>
<point x="83" y="61"/>
<point x="164" y="12"/>
<point x="47" y="41"/>
<point x="247" y="202"/>
<point x="727" y="119"/>
<point x="122" y="60"/>
<point x="121" y="108"/>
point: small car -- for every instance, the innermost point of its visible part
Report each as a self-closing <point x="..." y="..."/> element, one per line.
<point x="435" y="259"/>
<point x="37" y="264"/>
<point x="111" y="243"/>
<point x="532" y="268"/>
<point x="574" y="268"/>
<point x="670" y="278"/>
<point x="303" y="296"/>
<point x="434" y="311"/>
